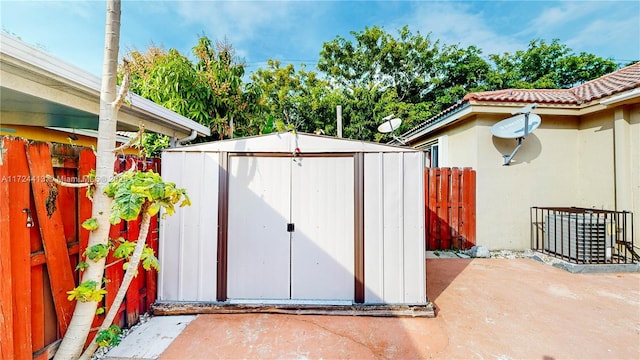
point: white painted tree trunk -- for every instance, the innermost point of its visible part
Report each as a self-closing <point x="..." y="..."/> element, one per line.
<point x="84" y="313"/>
<point x="134" y="261"/>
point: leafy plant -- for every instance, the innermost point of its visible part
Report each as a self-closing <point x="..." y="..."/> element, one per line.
<point x="87" y="291"/>
<point x="124" y="250"/>
<point x="97" y="252"/>
<point x="149" y="259"/>
<point x="132" y="189"/>
<point x="82" y="266"/>
<point x="90" y="224"/>
<point x="109" y="337"/>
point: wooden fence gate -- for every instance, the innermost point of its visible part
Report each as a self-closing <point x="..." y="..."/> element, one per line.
<point x="41" y="242"/>
<point x="450" y="208"/>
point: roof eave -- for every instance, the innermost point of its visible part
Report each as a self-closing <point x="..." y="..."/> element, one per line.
<point x="459" y="112"/>
<point x="34" y="60"/>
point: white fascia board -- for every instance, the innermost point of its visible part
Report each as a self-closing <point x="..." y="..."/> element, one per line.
<point x="444" y="122"/>
<point x="621" y="97"/>
<point x="79" y="78"/>
<point x="165" y="115"/>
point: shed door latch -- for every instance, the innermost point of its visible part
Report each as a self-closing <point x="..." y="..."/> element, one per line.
<point x="291" y="227"/>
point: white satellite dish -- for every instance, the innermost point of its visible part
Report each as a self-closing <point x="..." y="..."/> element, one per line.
<point x="517" y="127"/>
<point x="389" y="125"/>
<point x="514" y="127"/>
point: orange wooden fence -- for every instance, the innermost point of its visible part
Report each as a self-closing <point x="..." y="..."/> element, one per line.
<point x="450" y="208"/>
<point x="41" y="242"/>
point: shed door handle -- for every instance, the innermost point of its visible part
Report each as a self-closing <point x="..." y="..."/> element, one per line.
<point x="291" y="227"/>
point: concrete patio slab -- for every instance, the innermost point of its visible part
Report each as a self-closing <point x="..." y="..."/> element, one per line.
<point x="486" y="309"/>
<point x="150" y="339"/>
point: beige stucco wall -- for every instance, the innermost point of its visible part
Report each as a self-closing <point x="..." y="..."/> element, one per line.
<point x="542" y="173"/>
<point x="595" y="182"/>
<point x="463" y="152"/>
<point x="635" y="167"/>
<point x="628" y="190"/>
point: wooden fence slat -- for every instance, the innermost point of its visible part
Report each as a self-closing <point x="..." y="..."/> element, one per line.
<point x="67" y="201"/>
<point x="433" y="218"/>
<point x="443" y="208"/>
<point x="133" y="292"/>
<point x="470" y="201"/>
<point x="6" y="302"/>
<point x="450" y="208"/>
<point x="86" y="163"/>
<point x="55" y="245"/>
<point x="20" y="245"/>
<point x="114" y="273"/>
<point x="455" y="219"/>
<point x="152" y="276"/>
<point x="37" y="284"/>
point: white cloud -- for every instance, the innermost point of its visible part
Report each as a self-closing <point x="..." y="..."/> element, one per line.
<point x="607" y="29"/>
<point x="259" y="30"/>
<point x="459" y="23"/>
<point x="238" y="20"/>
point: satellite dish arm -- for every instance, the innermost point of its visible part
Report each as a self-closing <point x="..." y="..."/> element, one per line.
<point x="508" y="158"/>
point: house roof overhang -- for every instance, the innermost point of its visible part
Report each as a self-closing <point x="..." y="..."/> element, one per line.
<point x="37" y="89"/>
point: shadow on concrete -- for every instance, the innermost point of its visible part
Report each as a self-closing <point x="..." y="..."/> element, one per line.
<point x="441" y="277"/>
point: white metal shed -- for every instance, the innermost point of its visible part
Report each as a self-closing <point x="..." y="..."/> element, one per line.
<point x="295" y="219"/>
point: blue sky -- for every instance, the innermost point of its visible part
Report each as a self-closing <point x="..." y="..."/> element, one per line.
<point x="293" y="31"/>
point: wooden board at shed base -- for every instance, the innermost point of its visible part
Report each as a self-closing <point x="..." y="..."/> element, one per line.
<point x="184" y="308"/>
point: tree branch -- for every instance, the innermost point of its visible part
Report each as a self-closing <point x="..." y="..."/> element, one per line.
<point x="124" y="87"/>
<point x="131" y="141"/>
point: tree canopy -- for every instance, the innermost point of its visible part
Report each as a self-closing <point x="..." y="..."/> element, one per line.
<point x="371" y="75"/>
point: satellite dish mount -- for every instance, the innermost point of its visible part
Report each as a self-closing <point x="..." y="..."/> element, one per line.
<point x="517" y="127"/>
<point x="389" y="125"/>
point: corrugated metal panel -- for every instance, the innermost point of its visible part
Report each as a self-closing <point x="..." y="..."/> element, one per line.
<point x="414" y="242"/>
<point x="394" y="230"/>
<point x="188" y="239"/>
<point x="373" y="229"/>
<point x="170" y="228"/>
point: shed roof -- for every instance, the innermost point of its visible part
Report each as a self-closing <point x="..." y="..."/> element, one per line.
<point x="38" y="89"/>
<point x="288" y="143"/>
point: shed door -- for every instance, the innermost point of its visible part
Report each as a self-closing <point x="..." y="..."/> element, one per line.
<point x="258" y="246"/>
<point x="322" y="259"/>
<point x="316" y="260"/>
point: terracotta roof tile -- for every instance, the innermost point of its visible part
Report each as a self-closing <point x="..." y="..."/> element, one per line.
<point x="621" y="80"/>
<point x="525" y="95"/>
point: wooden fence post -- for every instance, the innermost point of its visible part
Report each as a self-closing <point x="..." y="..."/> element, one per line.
<point x="6" y="302"/>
